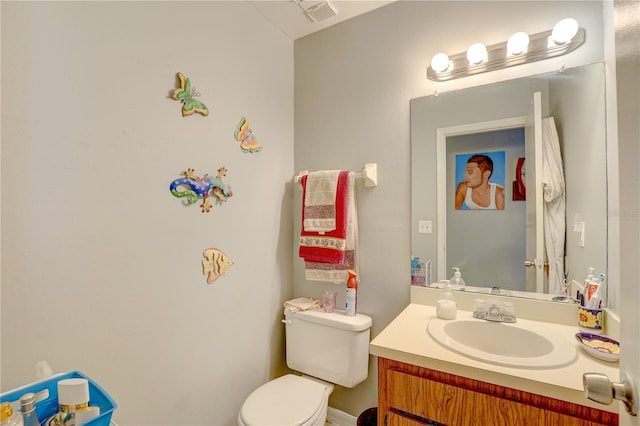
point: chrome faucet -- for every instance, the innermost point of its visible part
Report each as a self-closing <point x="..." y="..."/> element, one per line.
<point x="496" y="313"/>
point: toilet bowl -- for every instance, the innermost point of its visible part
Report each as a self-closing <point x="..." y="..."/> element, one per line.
<point x="289" y="400"/>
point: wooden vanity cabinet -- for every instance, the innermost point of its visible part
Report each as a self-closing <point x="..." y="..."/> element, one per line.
<point x="409" y="395"/>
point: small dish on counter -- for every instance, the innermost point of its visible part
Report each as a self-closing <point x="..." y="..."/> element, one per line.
<point x="565" y="299"/>
<point x="598" y="346"/>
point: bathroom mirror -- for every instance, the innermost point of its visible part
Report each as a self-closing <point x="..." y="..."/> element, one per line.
<point x="489" y="245"/>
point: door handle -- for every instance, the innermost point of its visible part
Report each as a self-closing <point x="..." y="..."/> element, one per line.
<point x="598" y="388"/>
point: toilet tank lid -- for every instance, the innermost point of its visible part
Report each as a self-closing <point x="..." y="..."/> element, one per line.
<point x="336" y="319"/>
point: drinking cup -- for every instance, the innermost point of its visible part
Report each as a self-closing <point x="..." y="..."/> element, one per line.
<point x="329" y="300"/>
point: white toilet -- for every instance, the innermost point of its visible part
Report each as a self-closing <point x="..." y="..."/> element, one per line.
<point x="330" y="349"/>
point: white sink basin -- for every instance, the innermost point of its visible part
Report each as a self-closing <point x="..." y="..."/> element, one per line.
<point x="524" y="344"/>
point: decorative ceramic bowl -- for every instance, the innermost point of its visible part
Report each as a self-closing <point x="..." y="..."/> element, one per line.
<point x="598" y="346"/>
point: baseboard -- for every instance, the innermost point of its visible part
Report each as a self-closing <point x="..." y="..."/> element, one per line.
<point x="336" y="417"/>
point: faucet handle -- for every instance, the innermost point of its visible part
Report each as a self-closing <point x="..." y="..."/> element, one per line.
<point x="494" y="313"/>
<point x="480" y="309"/>
<point x="508" y="312"/>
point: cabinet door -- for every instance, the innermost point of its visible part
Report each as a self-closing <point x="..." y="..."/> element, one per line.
<point x="411" y="395"/>
<point x="396" y="419"/>
<point x="414" y="395"/>
<point x="451" y="405"/>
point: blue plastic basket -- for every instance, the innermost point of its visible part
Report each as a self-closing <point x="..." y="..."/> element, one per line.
<point x="49" y="406"/>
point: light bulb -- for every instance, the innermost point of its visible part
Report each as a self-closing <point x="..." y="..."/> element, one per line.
<point x="477" y="53"/>
<point x="440" y="62"/>
<point x="518" y="43"/>
<point x="564" y="31"/>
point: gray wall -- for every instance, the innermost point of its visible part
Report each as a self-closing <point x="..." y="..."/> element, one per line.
<point x="581" y="137"/>
<point x="353" y="83"/>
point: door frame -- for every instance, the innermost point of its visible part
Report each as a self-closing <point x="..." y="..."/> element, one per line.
<point x="442" y="134"/>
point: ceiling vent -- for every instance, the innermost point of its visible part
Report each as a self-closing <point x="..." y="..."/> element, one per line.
<point x="317" y="11"/>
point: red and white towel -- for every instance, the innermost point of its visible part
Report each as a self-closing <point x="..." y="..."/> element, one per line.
<point x="329" y="254"/>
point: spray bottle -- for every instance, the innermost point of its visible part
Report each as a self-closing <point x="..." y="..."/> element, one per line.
<point x="352" y="294"/>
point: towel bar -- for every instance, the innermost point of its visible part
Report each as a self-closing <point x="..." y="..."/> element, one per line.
<point x="369" y="174"/>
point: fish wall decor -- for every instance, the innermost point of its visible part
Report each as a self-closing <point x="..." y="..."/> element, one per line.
<point x="215" y="264"/>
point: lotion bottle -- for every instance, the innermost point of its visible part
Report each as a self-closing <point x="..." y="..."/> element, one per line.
<point x="352" y="294"/>
<point x="457" y="282"/>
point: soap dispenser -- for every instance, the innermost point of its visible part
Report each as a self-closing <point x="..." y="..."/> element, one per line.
<point x="457" y="282"/>
<point x="446" y="307"/>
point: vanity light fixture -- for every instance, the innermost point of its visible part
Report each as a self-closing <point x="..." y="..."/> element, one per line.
<point x="440" y="62"/>
<point x="517" y="44"/>
<point x="477" y="54"/>
<point x="521" y="48"/>
<point x="564" y="31"/>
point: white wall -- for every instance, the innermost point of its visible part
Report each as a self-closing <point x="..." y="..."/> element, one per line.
<point x="626" y="65"/>
<point x="100" y="263"/>
<point x="353" y="83"/>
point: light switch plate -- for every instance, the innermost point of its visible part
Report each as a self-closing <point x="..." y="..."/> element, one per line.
<point x="425" y="226"/>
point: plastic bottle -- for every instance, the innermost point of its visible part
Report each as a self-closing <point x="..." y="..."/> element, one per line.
<point x="418" y="272"/>
<point x="589" y="278"/>
<point x="28" y="409"/>
<point x="595" y="295"/>
<point x="352" y="294"/>
<point x="591" y="286"/>
<point x="457" y="282"/>
<point x="73" y="404"/>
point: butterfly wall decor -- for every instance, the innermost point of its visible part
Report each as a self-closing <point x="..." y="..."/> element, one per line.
<point x="244" y="135"/>
<point x="186" y="95"/>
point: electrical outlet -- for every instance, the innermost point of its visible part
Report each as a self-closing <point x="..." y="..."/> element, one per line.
<point x="425" y="226"/>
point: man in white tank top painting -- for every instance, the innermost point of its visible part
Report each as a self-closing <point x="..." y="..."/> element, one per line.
<point x="476" y="192"/>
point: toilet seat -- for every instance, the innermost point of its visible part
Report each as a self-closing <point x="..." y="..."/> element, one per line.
<point x="288" y="400"/>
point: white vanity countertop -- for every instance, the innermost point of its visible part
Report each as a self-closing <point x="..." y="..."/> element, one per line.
<point x="406" y="339"/>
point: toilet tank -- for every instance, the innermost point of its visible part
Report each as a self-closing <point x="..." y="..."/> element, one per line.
<point x="330" y="346"/>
